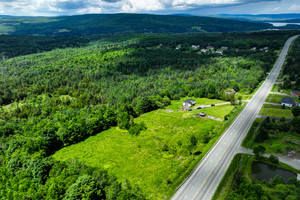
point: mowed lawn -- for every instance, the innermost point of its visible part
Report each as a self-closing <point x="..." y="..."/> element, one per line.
<point x="276" y="112"/>
<point x="276" y="98"/>
<point x="156" y="158"/>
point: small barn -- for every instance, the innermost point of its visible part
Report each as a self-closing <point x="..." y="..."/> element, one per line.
<point x="288" y="101"/>
<point x="189" y="102"/>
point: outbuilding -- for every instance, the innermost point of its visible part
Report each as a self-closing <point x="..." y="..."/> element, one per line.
<point x="295" y="93"/>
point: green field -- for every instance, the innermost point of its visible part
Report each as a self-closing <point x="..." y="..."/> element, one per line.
<point x="276" y="98"/>
<point x="157" y="158"/>
<point x="277" y="112"/>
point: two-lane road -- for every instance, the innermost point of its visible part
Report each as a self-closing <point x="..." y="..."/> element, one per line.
<point x="205" y="179"/>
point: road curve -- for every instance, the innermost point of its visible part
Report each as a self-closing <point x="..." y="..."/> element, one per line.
<point x="204" y="180"/>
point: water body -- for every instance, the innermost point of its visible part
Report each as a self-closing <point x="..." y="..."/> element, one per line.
<point x="262" y="171"/>
<point x="278" y="24"/>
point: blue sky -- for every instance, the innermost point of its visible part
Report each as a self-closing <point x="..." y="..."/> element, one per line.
<point x="193" y="7"/>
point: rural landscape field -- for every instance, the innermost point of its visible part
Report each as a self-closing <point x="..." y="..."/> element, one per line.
<point x="148" y="104"/>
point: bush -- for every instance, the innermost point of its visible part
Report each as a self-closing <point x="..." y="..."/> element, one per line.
<point x="137" y="128"/>
<point x="274" y="159"/>
<point x="296" y="111"/>
<point x="259" y="151"/>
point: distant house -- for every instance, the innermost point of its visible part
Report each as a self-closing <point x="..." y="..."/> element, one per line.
<point x="288" y="101"/>
<point x="204" y="50"/>
<point x="295" y="93"/>
<point x="195" y="46"/>
<point x="230" y="92"/>
<point x="224" y="48"/>
<point x="179" y="46"/>
<point x="253" y="49"/>
<point x="210" y="47"/>
<point x="220" y="52"/>
<point x="189" y="102"/>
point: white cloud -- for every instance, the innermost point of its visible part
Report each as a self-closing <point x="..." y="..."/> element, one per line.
<point x="294" y="7"/>
<point x="62" y="7"/>
<point x="144" y="5"/>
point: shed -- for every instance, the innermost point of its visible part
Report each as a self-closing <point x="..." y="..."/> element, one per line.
<point x="288" y="101"/>
<point x="189" y="102"/>
<point x="203" y="114"/>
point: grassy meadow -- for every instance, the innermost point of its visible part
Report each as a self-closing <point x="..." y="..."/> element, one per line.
<point x="276" y="98"/>
<point x="156" y="159"/>
<point x="277" y="112"/>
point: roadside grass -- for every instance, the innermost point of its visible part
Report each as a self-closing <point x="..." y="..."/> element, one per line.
<point x="240" y="162"/>
<point x="277" y="112"/>
<point x="274" y="106"/>
<point x="244" y="96"/>
<point x="248" y="140"/>
<point x="162" y="156"/>
<point x="241" y="165"/>
<point x="275" y="88"/>
<point x="276" y="98"/>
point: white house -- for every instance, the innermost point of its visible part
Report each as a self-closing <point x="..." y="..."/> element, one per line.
<point x="288" y="101"/>
<point x="195" y="46"/>
<point x="189" y="102"/>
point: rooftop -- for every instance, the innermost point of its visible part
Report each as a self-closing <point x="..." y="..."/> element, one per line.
<point x="288" y="100"/>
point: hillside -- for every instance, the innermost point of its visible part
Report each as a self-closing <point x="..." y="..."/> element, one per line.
<point x="122" y="23"/>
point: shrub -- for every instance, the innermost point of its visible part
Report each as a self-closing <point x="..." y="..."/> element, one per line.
<point x="137" y="128"/>
<point x="274" y="159"/>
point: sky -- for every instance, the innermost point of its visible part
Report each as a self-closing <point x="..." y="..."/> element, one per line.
<point x="192" y="7"/>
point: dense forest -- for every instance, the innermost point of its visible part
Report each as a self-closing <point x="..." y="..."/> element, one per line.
<point x="58" y="98"/>
<point x="122" y="23"/>
<point x="292" y="68"/>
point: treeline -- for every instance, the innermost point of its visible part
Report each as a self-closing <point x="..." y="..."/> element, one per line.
<point x="273" y="127"/>
<point x="292" y="67"/>
<point x="55" y="99"/>
<point x="16" y="45"/>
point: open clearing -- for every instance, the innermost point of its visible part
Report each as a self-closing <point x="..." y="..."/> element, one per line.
<point x="276" y="98"/>
<point x="156" y="158"/>
<point x="277" y="112"/>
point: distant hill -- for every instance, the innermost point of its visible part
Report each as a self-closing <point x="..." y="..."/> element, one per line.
<point x="125" y="23"/>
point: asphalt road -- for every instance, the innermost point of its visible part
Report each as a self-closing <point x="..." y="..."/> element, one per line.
<point x="204" y="180"/>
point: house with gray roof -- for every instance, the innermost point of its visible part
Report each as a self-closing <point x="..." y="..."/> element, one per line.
<point x="288" y="101"/>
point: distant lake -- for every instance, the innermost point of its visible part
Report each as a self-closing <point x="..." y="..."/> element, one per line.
<point x="277" y="24"/>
